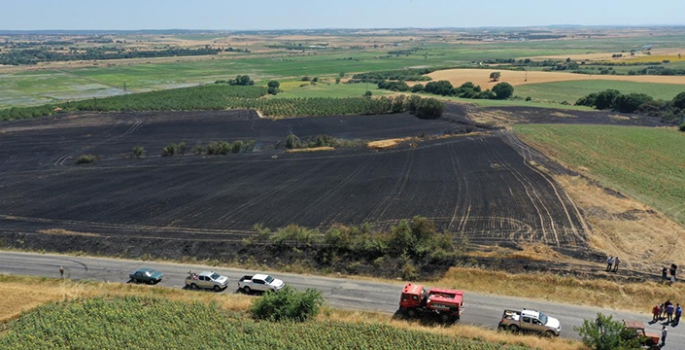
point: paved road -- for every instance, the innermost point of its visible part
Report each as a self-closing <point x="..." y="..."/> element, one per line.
<point x="481" y="309"/>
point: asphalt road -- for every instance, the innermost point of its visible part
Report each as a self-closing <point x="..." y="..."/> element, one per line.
<point x="481" y="309"/>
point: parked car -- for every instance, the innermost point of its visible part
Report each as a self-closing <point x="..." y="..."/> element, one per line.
<point x="206" y="280"/>
<point x="530" y="321"/>
<point x="259" y="283"/>
<point x="146" y="275"/>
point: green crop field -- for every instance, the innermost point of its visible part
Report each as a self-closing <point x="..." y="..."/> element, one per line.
<point x="153" y="323"/>
<point x="646" y="163"/>
<point x="571" y="91"/>
<point x="293" y="90"/>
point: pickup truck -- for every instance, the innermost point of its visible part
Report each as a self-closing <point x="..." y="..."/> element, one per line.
<point x="206" y="280"/>
<point x="259" y="283"/>
<point x="530" y="321"/>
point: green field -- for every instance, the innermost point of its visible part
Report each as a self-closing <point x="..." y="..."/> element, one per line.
<point x="571" y="91"/>
<point x="647" y="164"/>
<point x="293" y="90"/>
<point x="155" y="323"/>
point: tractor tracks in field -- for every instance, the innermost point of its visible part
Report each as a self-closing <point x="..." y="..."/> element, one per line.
<point x="63" y="158"/>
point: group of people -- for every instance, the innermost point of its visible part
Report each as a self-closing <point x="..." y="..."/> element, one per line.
<point x="612" y="264"/>
<point x="667" y="311"/>
<point x="669" y="274"/>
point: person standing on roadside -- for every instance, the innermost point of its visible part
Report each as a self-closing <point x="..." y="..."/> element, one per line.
<point x="656" y="311"/>
<point x="664" y="274"/>
<point x="616" y="262"/>
<point x="669" y="313"/>
<point x="678" y="313"/>
<point x="610" y="263"/>
<point x="664" y="333"/>
<point x="61" y="272"/>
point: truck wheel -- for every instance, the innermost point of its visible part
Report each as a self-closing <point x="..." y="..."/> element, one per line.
<point x="217" y="288"/>
<point x="548" y="334"/>
<point x="247" y="290"/>
<point x="514" y="328"/>
<point x="445" y="318"/>
<point x="412" y="313"/>
<point x="193" y="286"/>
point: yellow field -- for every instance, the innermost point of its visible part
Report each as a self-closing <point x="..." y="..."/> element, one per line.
<point x="482" y="77"/>
<point x="660" y="58"/>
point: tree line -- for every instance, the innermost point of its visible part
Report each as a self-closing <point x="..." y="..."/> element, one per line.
<point x="501" y="91"/>
<point x="672" y="111"/>
<point x="41" y="54"/>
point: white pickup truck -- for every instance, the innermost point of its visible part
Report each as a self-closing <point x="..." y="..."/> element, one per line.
<point x="206" y="280"/>
<point x="530" y="321"/>
<point x="259" y="283"/>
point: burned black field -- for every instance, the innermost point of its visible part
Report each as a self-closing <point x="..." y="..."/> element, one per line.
<point x="476" y="185"/>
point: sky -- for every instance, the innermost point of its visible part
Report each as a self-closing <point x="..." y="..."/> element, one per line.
<point x="313" y="14"/>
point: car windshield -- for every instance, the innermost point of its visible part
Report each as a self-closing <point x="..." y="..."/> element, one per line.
<point x="543" y="318"/>
<point x="215" y="276"/>
<point x="269" y="279"/>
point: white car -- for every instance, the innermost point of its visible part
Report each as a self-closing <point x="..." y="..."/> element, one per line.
<point x="259" y="283"/>
<point x="530" y="321"/>
<point x="207" y="280"/>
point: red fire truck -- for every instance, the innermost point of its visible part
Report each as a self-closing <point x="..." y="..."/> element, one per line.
<point x="446" y="303"/>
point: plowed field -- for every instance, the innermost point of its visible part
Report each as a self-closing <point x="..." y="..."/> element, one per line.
<point x="477" y="185"/>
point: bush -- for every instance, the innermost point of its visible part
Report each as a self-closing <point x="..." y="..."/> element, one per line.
<point x="679" y="101"/>
<point x="604" y="333"/>
<point x="138" y="151"/>
<point x="631" y="102"/>
<point x="605" y="99"/>
<point x="529" y="98"/>
<point x="682" y="127"/>
<point x="287" y="304"/>
<point x="429" y="108"/>
<point x="170" y="150"/>
<point x="368" y="94"/>
<point x="417" y="88"/>
<point x="503" y="91"/>
<point x="86" y="158"/>
<point x="182" y="148"/>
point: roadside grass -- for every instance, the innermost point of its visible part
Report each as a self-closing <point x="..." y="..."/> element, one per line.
<point x="571" y="91"/>
<point x="22" y="294"/>
<point x="644" y="163"/>
<point x="638" y="297"/>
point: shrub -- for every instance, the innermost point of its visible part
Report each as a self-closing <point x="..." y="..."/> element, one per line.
<point x="287" y="304"/>
<point x="86" y="158"/>
<point x="682" y="127"/>
<point x="631" y="102"/>
<point x="368" y="94"/>
<point x="138" y="151"/>
<point x="429" y="108"/>
<point x="170" y="150"/>
<point x="529" y="98"/>
<point x="182" y="148"/>
<point x="605" y="333"/>
<point x="417" y="88"/>
<point x="679" y="101"/>
<point x="605" y="99"/>
<point x="503" y="91"/>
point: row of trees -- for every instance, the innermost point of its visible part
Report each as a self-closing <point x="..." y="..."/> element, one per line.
<point x="670" y="111"/>
<point x="500" y="91"/>
<point x="42" y="54"/>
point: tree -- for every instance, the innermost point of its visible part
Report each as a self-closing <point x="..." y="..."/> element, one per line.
<point x="503" y="91"/>
<point x="368" y="94"/>
<point x="337" y="80"/>
<point x="138" y="151"/>
<point x="679" y="101"/>
<point x="605" y="333"/>
<point x="274" y="84"/>
<point x="429" y="108"/>
<point x="245" y="80"/>
<point x="605" y="99"/>
<point x="494" y="76"/>
<point x="342" y="74"/>
<point x="631" y="102"/>
<point x="417" y="88"/>
<point x="441" y="87"/>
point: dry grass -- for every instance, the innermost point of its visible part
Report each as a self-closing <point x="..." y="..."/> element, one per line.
<point x="59" y="231"/>
<point x="601" y="293"/>
<point x="463" y="331"/>
<point x="482" y="77"/>
<point x="19" y="293"/>
<point x="313" y="149"/>
<point x="642" y="237"/>
<point x="389" y="143"/>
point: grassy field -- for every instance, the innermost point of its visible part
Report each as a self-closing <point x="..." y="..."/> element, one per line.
<point x="48" y="313"/>
<point x="293" y="90"/>
<point x="573" y="90"/>
<point x="647" y="164"/>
